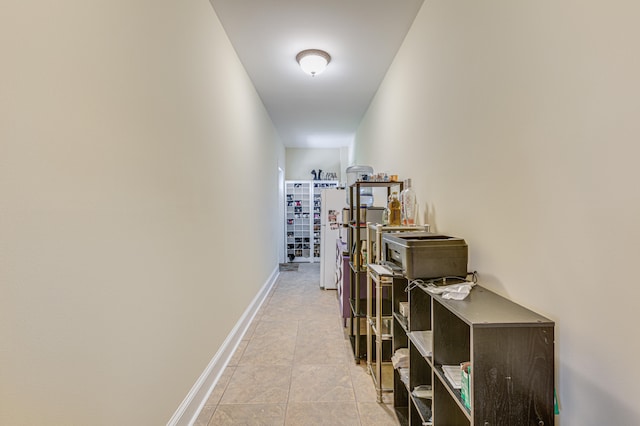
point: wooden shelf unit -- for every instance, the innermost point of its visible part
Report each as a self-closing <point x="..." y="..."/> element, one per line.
<point x="510" y="348"/>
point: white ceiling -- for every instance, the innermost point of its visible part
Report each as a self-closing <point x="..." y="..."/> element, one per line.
<point x="362" y="37"/>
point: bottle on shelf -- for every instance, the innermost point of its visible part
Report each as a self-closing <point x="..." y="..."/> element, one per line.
<point x="395" y="215"/>
<point x="408" y="204"/>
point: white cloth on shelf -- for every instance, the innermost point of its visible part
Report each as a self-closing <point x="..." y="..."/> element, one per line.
<point x="451" y="291"/>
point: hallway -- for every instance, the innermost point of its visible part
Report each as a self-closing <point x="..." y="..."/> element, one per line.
<point x="295" y="366"/>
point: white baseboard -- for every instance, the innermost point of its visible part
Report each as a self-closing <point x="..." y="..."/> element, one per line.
<point x="190" y="408"/>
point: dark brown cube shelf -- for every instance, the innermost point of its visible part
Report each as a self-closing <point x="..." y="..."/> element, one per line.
<point x="511" y="350"/>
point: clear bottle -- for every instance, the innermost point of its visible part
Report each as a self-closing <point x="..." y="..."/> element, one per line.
<point x="395" y="214"/>
<point x="409" y="204"/>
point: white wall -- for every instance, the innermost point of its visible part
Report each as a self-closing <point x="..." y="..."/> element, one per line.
<point x="518" y="122"/>
<point x="300" y="162"/>
<point x="131" y="140"/>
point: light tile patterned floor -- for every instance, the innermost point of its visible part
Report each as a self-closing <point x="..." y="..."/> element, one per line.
<point x="295" y="366"/>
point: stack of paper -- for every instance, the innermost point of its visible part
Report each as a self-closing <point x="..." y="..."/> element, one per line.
<point x="404" y="375"/>
<point x="423" y="341"/>
<point x="423" y="391"/>
<point x="453" y="373"/>
<point x="400" y="358"/>
<point x="380" y="269"/>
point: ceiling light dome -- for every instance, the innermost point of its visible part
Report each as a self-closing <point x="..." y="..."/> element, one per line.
<point x="313" y="61"/>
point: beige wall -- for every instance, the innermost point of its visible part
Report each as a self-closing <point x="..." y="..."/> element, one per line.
<point x="300" y="162"/>
<point x="131" y="140"/>
<point x="518" y="122"/>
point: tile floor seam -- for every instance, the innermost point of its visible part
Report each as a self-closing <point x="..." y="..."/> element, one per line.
<point x="286" y="410"/>
<point x="294" y="298"/>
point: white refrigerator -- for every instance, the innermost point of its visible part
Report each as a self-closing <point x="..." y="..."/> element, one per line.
<point x="333" y="200"/>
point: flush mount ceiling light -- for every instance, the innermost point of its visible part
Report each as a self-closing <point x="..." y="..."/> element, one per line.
<point x="313" y="61"/>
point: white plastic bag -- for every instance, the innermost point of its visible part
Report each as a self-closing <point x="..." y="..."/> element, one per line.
<point x="451" y="291"/>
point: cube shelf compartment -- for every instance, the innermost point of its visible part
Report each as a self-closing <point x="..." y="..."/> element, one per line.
<point x="510" y="348"/>
<point x="303" y="215"/>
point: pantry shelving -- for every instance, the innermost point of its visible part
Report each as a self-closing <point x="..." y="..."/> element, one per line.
<point x="303" y="210"/>
<point x="380" y="298"/>
<point x="510" y="350"/>
<point x="356" y="242"/>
